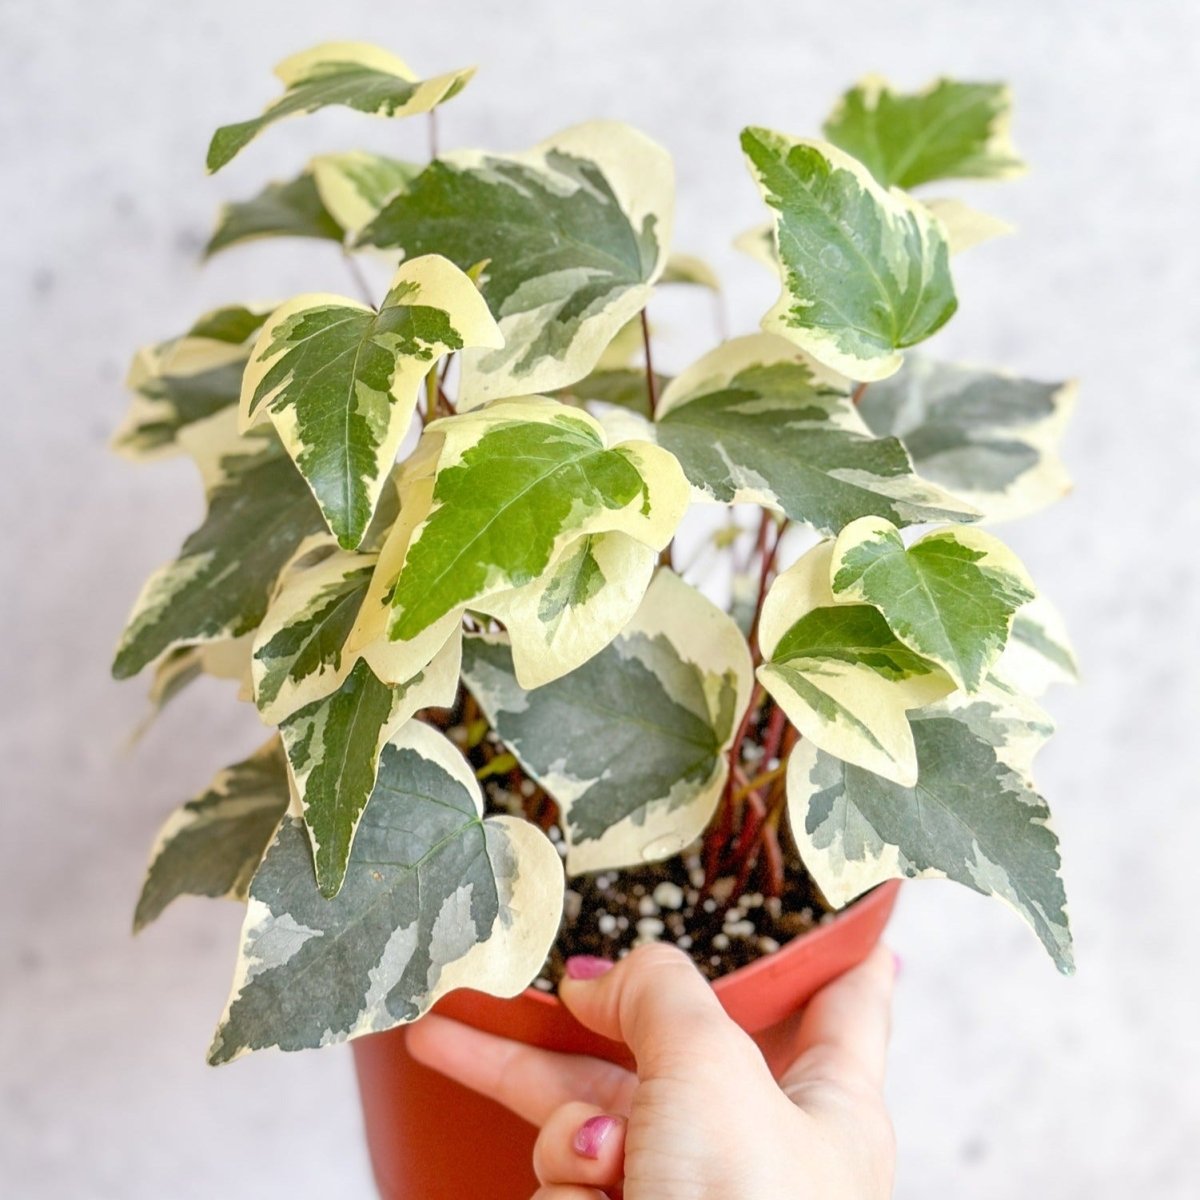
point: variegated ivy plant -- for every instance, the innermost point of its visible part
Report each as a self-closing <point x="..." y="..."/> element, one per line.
<point x="468" y="480"/>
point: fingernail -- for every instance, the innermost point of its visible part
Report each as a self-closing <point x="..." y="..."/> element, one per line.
<point x="897" y="964"/>
<point x="588" y="966"/>
<point x="592" y="1134"/>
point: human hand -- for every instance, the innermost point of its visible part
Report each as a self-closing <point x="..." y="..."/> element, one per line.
<point x="702" y="1119"/>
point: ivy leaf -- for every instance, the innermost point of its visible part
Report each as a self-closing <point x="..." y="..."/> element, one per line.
<point x="333" y="746"/>
<point x="436" y="898"/>
<point x="292" y="209"/>
<point x="866" y="272"/>
<point x="633" y="744"/>
<point x="351" y="74"/>
<point x="356" y="185"/>
<point x="186" y="380"/>
<point x="227" y="659"/>
<point x="989" y="437"/>
<point x="973" y="816"/>
<point x="840" y="674"/>
<point x="515" y="483"/>
<point x="688" y="269"/>
<point x="949" y="597"/>
<point x="1039" y="652"/>
<point x="949" y="130"/>
<point x="214" y="843"/>
<point x="259" y="511"/>
<point x="622" y="387"/>
<point x="753" y="421"/>
<point x="340" y="380"/>
<point x="965" y="227"/>
<point x="572" y="235"/>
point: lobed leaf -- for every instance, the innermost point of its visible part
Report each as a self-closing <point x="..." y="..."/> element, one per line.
<point x="570" y="236"/>
<point x="351" y="74"/>
<point x="949" y="130"/>
<point x="356" y="185"/>
<point x="633" y="744"/>
<point x="291" y="209"/>
<point x="435" y="898"/>
<point x="865" y="271"/>
<point x="1039" y="652"/>
<point x="754" y="421"/>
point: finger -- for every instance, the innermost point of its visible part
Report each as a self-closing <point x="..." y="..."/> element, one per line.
<point x="660" y="1006"/>
<point x="529" y="1081"/>
<point x="583" y="1145"/>
<point x="559" y="1192"/>
<point x="844" y="1031"/>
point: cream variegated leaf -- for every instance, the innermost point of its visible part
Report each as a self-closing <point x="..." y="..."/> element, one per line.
<point x="516" y="482"/>
<point x="436" y="898"/>
<point x="949" y="130"/>
<point x="186" y="380"/>
<point x="259" y="512"/>
<point x="213" y="844"/>
<point x="1039" y="652"/>
<point x="333" y="746"/>
<point x="840" y="674"/>
<point x="755" y="421"/>
<point x="633" y="744"/>
<point x="356" y="185"/>
<point x="571" y="234"/>
<point x="966" y="227"/>
<point x="350" y="74"/>
<point x="291" y="209"/>
<point x="340" y="380"/>
<point x="758" y="243"/>
<point x="973" y="816"/>
<point x="228" y="659"/>
<point x="865" y="271"/>
<point x="688" y="269"/>
<point x="989" y="437"/>
<point x="949" y="597"/>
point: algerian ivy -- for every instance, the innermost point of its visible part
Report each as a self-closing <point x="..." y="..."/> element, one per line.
<point x="465" y="488"/>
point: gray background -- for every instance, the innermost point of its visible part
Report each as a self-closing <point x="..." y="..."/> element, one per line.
<point x="1006" y="1079"/>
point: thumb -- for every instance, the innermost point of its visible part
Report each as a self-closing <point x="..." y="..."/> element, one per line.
<point x="661" y="1007"/>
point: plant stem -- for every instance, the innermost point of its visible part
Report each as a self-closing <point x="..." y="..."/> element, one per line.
<point x="857" y="395"/>
<point x="360" y="280"/>
<point x="432" y="391"/>
<point x="433" y="133"/>
<point x="768" y="563"/>
<point x="651" y="382"/>
<point x="756" y="784"/>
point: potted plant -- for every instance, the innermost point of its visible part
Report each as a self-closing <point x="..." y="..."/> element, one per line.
<point x="440" y="558"/>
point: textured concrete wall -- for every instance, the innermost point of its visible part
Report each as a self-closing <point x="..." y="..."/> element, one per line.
<point x="1006" y="1079"/>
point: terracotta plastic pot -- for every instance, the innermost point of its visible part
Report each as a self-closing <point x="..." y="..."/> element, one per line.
<point x="430" y="1138"/>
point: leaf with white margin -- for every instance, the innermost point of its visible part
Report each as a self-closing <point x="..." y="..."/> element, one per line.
<point x="340" y="379"/>
<point x="755" y="421"/>
<point x="516" y="482"/>
<point x="291" y="209"/>
<point x="688" y="269"/>
<point x="259" y="511"/>
<point x="185" y="380"/>
<point x="758" y="243"/>
<point x="1039" y="652"/>
<point x="573" y="235"/>
<point x="974" y="815"/>
<point x="966" y="227"/>
<point x="990" y="437"/>
<point x="839" y="672"/>
<point x="436" y="898"/>
<point x="866" y="272"/>
<point x="333" y="746"/>
<point x="356" y="185"/>
<point x="587" y="595"/>
<point x="213" y="844"/>
<point x="351" y="74"/>
<point x="226" y="659"/>
<point x="633" y="744"/>
<point x="948" y="130"/>
<point x="949" y="597"/>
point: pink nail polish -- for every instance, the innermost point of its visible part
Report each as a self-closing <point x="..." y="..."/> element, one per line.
<point x="592" y="1134"/>
<point x="588" y="966"/>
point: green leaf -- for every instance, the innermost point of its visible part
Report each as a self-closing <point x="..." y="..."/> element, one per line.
<point x="839" y="672"/>
<point x="633" y="744"/>
<point x="436" y="898"/>
<point x="185" y="380"/>
<point x="340" y="380"/>
<point x="949" y="130"/>
<point x="1039" y="652"/>
<point x="351" y="74"/>
<point x="989" y="437"/>
<point x="292" y="209"/>
<point x="214" y="843"/>
<point x="753" y="421"/>
<point x="259" y="511"/>
<point x="571" y="235"/>
<point x="622" y="387"/>
<point x="355" y="186"/>
<point x="950" y="597"/>
<point x="866" y="272"/>
<point x="973" y="816"/>
<point x="333" y="746"/>
<point x="516" y="482"/>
